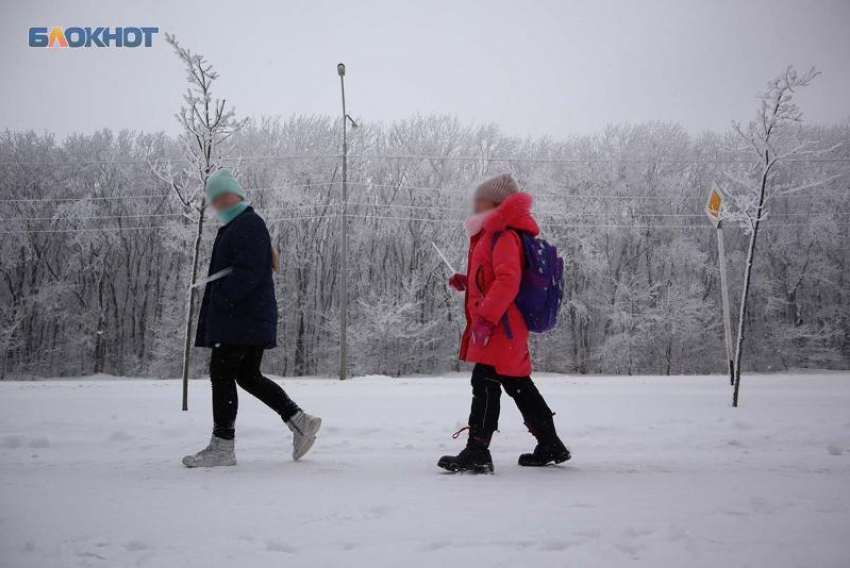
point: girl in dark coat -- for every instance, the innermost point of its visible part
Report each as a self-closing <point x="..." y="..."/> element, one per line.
<point x="238" y="320"/>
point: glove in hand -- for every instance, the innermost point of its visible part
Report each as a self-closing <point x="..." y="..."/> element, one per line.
<point x="481" y="331"/>
<point x="458" y="282"/>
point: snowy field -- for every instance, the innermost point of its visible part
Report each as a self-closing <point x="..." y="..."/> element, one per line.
<point x="665" y="474"/>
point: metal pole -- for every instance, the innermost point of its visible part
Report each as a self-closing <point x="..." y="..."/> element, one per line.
<point x="727" y="324"/>
<point x="343" y="292"/>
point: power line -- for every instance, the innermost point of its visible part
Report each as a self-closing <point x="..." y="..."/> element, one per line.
<point x="680" y="215"/>
<point x="94" y="198"/>
<point x="545" y="225"/>
<point x="285" y="157"/>
<point x="567" y="196"/>
<point x="430" y="219"/>
<point x="302" y="218"/>
<point x="579" y="225"/>
<point x="544" y="189"/>
<point x="141" y="228"/>
<point x="336" y="204"/>
<point x="93" y="217"/>
<point x="637" y="226"/>
<point x="153" y="196"/>
<point x="88" y="230"/>
<point x="539" y="189"/>
<point x="584" y="160"/>
<point x="583" y="213"/>
<point x="407" y="206"/>
<point x="332" y="204"/>
<point x="376" y="156"/>
<point x="295" y="185"/>
<point x="459" y="221"/>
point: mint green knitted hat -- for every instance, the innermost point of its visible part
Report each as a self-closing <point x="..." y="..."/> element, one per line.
<point x="222" y="181"/>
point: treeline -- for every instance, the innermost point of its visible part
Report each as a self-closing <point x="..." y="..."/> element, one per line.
<point x="96" y="249"/>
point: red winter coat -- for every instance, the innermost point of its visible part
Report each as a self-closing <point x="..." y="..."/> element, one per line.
<point x="493" y="280"/>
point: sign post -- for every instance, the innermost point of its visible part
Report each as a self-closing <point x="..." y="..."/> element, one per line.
<point x="714" y="210"/>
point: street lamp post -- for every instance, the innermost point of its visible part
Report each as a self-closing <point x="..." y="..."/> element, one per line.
<point x="343" y="292"/>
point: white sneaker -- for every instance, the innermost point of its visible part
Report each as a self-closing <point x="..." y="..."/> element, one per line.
<point x="220" y="452"/>
<point x="304" y="428"/>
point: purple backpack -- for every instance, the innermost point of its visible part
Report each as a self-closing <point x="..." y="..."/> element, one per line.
<point x="542" y="286"/>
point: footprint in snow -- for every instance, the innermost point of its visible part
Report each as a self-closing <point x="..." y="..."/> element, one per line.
<point x="279" y="546"/>
<point x="12" y="442"/>
<point x="120" y="436"/>
<point x="557" y="545"/>
<point x="135" y="545"/>
<point x="834" y="450"/>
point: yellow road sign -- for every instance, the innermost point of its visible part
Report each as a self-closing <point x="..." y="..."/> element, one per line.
<point x="714" y="206"/>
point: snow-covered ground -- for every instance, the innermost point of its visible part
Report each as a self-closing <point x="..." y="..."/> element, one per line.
<point x="665" y="474"/>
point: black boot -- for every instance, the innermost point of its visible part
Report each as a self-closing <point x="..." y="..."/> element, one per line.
<point x="475" y="457"/>
<point x="550" y="448"/>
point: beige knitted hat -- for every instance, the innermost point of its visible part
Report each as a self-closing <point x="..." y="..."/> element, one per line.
<point x="496" y="189"/>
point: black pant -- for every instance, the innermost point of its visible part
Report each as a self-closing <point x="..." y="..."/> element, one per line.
<point x="486" y="394"/>
<point x="239" y="364"/>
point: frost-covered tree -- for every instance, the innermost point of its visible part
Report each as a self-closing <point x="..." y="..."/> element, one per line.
<point x="207" y="125"/>
<point x="95" y="271"/>
<point x="775" y="137"/>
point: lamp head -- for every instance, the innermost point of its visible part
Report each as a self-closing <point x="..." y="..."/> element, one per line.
<point x="340" y="69"/>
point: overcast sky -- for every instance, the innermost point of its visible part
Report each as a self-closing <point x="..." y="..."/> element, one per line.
<point x="534" y="68"/>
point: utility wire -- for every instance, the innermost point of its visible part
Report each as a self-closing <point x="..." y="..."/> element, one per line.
<point x="295" y="185"/>
<point x="151" y="215"/>
<point x="94" y="198"/>
<point x="581" y="213"/>
<point x="458" y="221"/>
<point x="92" y="217"/>
<point x="285" y="157"/>
<point x="576" y="225"/>
<point x="88" y="230"/>
<point x="335" y="204"/>
<point x="141" y="228"/>
<point x="583" y="160"/>
<point x="378" y="156"/>
<point x="153" y="196"/>
<point x="301" y="218"/>
<point x="544" y="189"/>
<point x="568" y="196"/>
<point x="638" y="226"/>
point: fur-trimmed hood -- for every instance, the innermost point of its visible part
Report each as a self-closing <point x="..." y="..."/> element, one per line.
<point x="513" y="213"/>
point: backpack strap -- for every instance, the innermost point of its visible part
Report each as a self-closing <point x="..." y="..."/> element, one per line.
<point x="495" y="238"/>
<point x="498" y="234"/>
<point x="507" y="324"/>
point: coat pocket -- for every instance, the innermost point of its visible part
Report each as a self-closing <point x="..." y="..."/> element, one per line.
<point x="479" y="280"/>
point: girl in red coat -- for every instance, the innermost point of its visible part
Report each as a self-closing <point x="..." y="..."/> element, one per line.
<point x="496" y="336"/>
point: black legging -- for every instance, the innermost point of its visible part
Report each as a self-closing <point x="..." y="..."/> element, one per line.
<point x="238" y="364"/>
<point x="486" y="394"/>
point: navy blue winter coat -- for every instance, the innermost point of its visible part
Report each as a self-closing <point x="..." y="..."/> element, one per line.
<point x="240" y="309"/>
